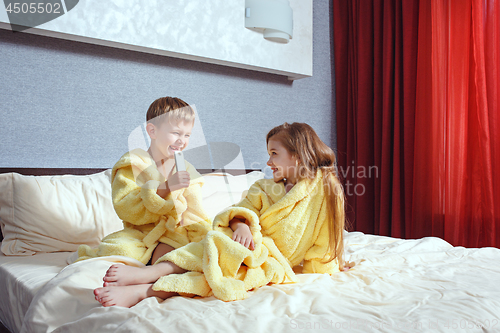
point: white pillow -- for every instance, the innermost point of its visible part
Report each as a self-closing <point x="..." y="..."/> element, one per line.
<point x="55" y="213"/>
<point x="223" y="190"/>
<point x="58" y="213"/>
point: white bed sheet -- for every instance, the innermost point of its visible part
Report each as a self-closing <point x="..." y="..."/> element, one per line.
<point x="20" y="279"/>
<point x="423" y="285"/>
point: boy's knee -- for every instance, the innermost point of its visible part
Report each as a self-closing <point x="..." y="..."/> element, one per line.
<point x="160" y="251"/>
<point x="126" y="243"/>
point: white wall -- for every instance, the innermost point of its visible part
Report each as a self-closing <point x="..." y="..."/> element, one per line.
<point x="71" y="104"/>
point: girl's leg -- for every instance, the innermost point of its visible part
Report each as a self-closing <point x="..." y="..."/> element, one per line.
<point x="123" y="275"/>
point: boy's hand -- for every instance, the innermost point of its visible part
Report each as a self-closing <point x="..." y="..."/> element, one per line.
<point x="178" y="180"/>
<point x="243" y="235"/>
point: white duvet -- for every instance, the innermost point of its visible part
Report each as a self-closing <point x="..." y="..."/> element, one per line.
<point x="396" y="285"/>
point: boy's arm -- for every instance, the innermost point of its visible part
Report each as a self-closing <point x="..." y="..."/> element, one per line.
<point x="178" y="180"/>
<point x="194" y="219"/>
<point x="163" y="190"/>
<point x="138" y="205"/>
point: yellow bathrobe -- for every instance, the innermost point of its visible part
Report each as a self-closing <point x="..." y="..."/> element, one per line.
<point x="148" y="218"/>
<point x="287" y="228"/>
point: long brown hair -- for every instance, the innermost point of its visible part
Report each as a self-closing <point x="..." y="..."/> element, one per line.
<point x="301" y="141"/>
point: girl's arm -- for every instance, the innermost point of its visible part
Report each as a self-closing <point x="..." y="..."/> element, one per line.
<point x="241" y="232"/>
<point x="252" y="204"/>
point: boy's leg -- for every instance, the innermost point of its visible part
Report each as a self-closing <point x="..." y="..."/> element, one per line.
<point x="128" y="296"/>
<point x="161" y="250"/>
<point x="128" y="243"/>
<point x="122" y="275"/>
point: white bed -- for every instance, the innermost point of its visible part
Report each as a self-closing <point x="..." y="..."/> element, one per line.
<point x="20" y="279"/>
<point x="396" y="285"/>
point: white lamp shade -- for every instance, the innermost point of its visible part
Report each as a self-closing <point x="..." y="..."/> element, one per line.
<point x="275" y="17"/>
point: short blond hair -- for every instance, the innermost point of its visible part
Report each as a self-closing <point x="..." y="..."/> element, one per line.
<point x="175" y="108"/>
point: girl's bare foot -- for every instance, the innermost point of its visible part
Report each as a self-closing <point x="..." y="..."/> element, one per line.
<point x="123" y="275"/>
<point x="127" y="296"/>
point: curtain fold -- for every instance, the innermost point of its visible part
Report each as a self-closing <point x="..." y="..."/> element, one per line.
<point x="375" y="71"/>
<point x="417" y="117"/>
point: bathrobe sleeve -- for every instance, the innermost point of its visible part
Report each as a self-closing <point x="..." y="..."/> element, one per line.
<point x="260" y="196"/>
<point x="315" y="260"/>
<point x="254" y="200"/>
<point x="194" y="219"/>
<point x="136" y="204"/>
<point x="249" y="208"/>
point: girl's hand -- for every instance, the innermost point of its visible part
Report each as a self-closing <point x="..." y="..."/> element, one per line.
<point x="178" y="180"/>
<point x="243" y="235"/>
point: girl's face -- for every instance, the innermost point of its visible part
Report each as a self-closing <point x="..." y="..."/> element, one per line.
<point x="169" y="137"/>
<point x="283" y="164"/>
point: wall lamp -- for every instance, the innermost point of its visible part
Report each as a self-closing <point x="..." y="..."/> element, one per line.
<point x="274" y="17"/>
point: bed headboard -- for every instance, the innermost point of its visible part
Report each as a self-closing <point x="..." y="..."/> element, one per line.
<point x="89" y="171"/>
<point x="51" y="171"/>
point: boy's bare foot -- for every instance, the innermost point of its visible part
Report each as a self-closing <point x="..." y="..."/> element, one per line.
<point x="127" y="296"/>
<point x="123" y="275"/>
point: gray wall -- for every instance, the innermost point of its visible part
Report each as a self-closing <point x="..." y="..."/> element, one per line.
<point x="67" y="104"/>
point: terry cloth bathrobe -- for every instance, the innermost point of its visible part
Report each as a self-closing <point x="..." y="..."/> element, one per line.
<point x="287" y="228"/>
<point x="148" y="218"/>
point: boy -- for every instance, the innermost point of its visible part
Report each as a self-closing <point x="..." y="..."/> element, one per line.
<point x="161" y="209"/>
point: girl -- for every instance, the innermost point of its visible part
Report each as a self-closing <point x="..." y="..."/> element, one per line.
<point x="297" y="153"/>
<point x="297" y="217"/>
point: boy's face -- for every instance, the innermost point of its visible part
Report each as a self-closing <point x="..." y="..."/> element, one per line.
<point x="170" y="136"/>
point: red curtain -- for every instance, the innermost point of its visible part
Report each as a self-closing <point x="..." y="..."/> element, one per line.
<point x="417" y="125"/>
